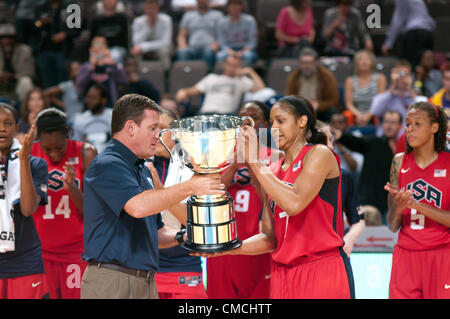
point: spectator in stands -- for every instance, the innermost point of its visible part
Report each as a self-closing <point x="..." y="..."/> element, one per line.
<point x="168" y="102"/>
<point x="224" y="92"/>
<point x="101" y="68"/>
<point x="428" y="79"/>
<point x="238" y="34"/>
<point x="25" y="16"/>
<point x="197" y="36"/>
<point x="378" y="153"/>
<point x="372" y="215"/>
<point x="7" y="12"/>
<point x="138" y="85"/>
<point x="65" y="95"/>
<point x="94" y="124"/>
<point x="410" y="18"/>
<point x="33" y="103"/>
<point x="360" y="88"/>
<point x="52" y="42"/>
<point x="114" y="27"/>
<point x="295" y="28"/>
<point x="152" y="34"/>
<point x="315" y="83"/>
<point x="16" y="65"/>
<point x="187" y="5"/>
<point x="350" y="161"/>
<point x="442" y="97"/>
<point x="399" y="96"/>
<point x="344" y="30"/>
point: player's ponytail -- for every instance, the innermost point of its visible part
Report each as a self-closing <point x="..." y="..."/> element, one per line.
<point x="300" y="106"/>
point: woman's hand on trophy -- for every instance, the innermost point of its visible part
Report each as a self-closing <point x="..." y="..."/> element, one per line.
<point x="247" y="145"/>
<point x="208" y="184"/>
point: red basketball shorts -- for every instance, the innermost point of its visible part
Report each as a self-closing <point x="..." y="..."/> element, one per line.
<point x="419" y="274"/>
<point x="180" y="285"/>
<point x="328" y="277"/>
<point x="64" y="280"/>
<point x="26" y="287"/>
<point x="239" y="277"/>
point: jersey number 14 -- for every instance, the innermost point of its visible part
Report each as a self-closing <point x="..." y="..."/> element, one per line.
<point x="63" y="208"/>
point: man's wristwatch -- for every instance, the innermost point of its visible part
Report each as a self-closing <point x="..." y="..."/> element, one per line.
<point x="179" y="237"/>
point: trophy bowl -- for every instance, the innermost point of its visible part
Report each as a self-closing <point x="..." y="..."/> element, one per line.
<point x="206" y="144"/>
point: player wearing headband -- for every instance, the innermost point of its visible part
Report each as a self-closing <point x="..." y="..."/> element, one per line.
<point x="60" y="222"/>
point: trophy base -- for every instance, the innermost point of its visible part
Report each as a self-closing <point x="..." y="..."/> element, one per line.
<point x="210" y="224"/>
<point x="212" y="248"/>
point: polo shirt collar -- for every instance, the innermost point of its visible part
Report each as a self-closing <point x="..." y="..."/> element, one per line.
<point x="128" y="155"/>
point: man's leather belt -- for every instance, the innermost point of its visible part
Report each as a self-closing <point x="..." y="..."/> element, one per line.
<point x="149" y="275"/>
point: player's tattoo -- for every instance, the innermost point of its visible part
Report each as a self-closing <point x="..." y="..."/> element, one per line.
<point x="395" y="168"/>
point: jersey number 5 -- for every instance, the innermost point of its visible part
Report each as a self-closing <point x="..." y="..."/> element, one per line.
<point x="417" y="220"/>
<point x="63" y="208"/>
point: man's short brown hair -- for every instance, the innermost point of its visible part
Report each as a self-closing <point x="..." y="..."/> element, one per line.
<point x="131" y="107"/>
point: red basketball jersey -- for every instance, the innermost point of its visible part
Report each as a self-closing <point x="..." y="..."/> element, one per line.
<point x="247" y="204"/>
<point x="317" y="228"/>
<point x="430" y="186"/>
<point x="59" y="224"/>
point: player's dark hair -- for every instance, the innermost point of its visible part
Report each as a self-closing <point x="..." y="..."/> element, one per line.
<point x="10" y="108"/>
<point x="169" y="113"/>
<point x="52" y="120"/>
<point x="131" y="107"/>
<point x="299" y="106"/>
<point x="262" y="106"/>
<point x="436" y="115"/>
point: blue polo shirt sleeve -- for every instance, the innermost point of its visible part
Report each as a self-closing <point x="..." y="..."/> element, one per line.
<point x="351" y="200"/>
<point x="114" y="182"/>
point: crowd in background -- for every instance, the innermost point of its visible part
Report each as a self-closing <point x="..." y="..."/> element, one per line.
<point x="83" y="71"/>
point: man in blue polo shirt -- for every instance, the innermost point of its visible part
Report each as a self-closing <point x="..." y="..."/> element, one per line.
<point x="122" y="225"/>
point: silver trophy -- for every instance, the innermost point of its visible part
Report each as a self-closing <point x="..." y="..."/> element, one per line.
<point x="207" y="144"/>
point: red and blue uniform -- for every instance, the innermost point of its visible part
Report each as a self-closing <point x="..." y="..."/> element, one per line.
<point x="22" y="270"/>
<point x="60" y="226"/>
<point x="309" y="261"/>
<point x="240" y="276"/>
<point x="179" y="275"/>
<point x="421" y="259"/>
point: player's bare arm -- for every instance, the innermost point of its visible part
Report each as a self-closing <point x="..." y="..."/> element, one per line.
<point x="394" y="216"/>
<point x="29" y="199"/>
<point x="318" y="165"/>
<point x="88" y="153"/>
<point x="438" y="215"/>
<point x="166" y="237"/>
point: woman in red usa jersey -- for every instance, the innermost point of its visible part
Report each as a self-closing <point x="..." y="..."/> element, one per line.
<point x="419" y="205"/>
<point x="303" y="212"/>
<point x="60" y="222"/>
<point x="237" y="276"/>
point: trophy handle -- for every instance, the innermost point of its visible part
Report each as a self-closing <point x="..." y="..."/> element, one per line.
<point x="248" y="118"/>
<point x="164" y="131"/>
